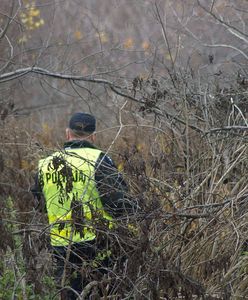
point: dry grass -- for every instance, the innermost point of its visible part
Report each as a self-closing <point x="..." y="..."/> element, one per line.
<point x="193" y="193"/>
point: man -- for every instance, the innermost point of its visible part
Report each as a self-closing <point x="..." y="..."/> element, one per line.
<point x="83" y="194"/>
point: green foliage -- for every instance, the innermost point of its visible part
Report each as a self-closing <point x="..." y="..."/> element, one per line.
<point x="13" y="283"/>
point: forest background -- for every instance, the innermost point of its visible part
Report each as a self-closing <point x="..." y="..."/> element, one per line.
<point x="168" y="83"/>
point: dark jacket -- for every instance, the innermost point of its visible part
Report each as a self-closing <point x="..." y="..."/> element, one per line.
<point x="109" y="181"/>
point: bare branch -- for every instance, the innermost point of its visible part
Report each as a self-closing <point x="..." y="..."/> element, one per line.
<point x="227" y="46"/>
<point x="229" y="27"/>
<point x="113" y="87"/>
<point x="164" y="33"/>
<point x="2" y="34"/>
<point x="228" y="128"/>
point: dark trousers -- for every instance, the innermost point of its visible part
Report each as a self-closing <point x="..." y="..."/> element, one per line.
<point x="80" y="268"/>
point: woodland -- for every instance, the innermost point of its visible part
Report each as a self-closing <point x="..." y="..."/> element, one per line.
<point x="168" y="84"/>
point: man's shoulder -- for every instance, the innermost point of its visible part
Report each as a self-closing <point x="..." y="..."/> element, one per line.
<point x="92" y="154"/>
<point x="105" y="159"/>
<point x="47" y="159"/>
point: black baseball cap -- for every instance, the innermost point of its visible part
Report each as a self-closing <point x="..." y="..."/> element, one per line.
<point x="82" y="122"/>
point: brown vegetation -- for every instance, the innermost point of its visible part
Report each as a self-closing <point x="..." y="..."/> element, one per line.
<point x="172" y="112"/>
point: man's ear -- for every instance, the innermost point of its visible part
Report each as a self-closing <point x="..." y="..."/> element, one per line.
<point x="93" y="137"/>
<point x="67" y="134"/>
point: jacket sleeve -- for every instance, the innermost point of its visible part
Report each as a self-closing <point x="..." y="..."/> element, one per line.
<point x="112" y="188"/>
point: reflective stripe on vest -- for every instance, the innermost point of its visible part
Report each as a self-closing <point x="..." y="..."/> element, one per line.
<point x="73" y="204"/>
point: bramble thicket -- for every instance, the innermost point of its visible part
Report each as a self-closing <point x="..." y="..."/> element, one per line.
<point x="168" y="84"/>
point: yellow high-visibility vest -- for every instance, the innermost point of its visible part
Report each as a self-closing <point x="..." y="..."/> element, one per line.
<point x="73" y="204"/>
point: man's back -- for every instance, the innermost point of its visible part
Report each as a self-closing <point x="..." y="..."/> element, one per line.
<point x="67" y="180"/>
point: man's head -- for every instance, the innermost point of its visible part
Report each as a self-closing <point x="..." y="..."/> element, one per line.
<point x="82" y="126"/>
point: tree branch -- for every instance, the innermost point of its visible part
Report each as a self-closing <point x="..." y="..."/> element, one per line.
<point x="10" y="18"/>
<point x="24" y="71"/>
<point x="235" y="31"/>
<point x="228" y="128"/>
